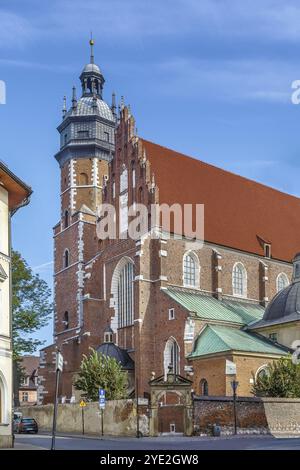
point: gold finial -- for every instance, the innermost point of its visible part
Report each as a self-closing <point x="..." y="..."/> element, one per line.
<point x="92" y="49"/>
<point x="91" y="40"/>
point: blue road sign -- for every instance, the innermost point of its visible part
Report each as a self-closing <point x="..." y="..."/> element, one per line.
<point x="101" y="398"/>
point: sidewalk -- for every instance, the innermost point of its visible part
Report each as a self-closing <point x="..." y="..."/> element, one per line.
<point x="22" y="446"/>
<point x="167" y="437"/>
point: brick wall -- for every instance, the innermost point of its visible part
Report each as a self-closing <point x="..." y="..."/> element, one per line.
<point x="212" y="369"/>
<point x="278" y="416"/>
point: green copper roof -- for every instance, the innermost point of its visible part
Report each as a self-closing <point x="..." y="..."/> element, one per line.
<point x="207" y="307"/>
<point x="216" y="338"/>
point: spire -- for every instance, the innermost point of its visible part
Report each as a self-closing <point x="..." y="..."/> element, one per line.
<point x="91" y="77"/>
<point x="113" y="104"/>
<point x="74" y="99"/>
<point x="64" y="109"/>
<point x="92" y="49"/>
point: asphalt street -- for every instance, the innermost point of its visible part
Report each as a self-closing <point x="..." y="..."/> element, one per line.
<point x="43" y="442"/>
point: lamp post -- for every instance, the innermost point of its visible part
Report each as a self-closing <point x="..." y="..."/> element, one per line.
<point x="234" y="385"/>
<point x="58" y="368"/>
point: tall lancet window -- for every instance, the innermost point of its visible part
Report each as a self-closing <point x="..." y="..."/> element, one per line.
<point x="282" y="281"/>
<point x="66" y="258"/>
<point x="171" y="357"/>
<point x="66" y="219"/>
<point x="239" y="280"/>
<point x="125" y="296"/>
<point x="190" y="270"/>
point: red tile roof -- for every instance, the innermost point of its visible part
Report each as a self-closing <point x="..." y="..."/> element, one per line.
<point x="239" y="213"/>
<point x="30" y="364"/>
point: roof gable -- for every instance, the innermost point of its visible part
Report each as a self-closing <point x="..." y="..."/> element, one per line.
<point x="215" y="339"/>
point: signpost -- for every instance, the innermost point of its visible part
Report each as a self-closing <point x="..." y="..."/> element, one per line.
<point x="82" y="405"/>
<point x="234" y="385"/>
<point x="58" y="368"/>
<point x="102" y="402"/>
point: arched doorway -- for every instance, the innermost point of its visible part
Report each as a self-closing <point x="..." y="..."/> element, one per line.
<point x="170" y="413"/>
<point x="171" y="405"/>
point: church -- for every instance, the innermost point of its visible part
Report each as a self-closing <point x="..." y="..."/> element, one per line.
<point x="158" y="303"/>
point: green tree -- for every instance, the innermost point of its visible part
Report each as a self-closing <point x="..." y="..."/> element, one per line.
<point x="282" y="379"/>
<point x="100" y="371"/>
<point x="31" y="306"/>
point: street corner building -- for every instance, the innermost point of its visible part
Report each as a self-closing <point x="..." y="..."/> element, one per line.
<point x="13" y="195"/>
<point x="154" y="304"/>
<point x="28" y="388"/>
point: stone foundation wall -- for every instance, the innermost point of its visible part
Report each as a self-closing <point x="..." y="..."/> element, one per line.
<point x="119" y="418"/>
<point x="277" y="416"/>
<point x="6" y="442"/>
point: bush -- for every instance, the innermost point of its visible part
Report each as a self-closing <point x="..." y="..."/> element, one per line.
<point x="100" y="371"/>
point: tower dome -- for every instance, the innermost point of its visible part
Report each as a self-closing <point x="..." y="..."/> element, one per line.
<point x="285" y="306"/>
<point x="91" y="68"/>
<point x="91" y="77"/>
<point x="88" y="126"/>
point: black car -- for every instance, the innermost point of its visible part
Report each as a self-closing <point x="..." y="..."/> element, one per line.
<point x="27" y="425"/>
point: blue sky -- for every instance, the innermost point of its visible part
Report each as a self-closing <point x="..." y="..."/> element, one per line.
<point x="210" y="78"/>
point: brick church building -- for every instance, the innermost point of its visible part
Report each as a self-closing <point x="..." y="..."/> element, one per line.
<point x="151" y="302"/>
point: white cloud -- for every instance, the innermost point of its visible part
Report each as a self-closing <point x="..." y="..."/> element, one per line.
<point x="135" y="19"/>
<point x="36" y="65"/>
<point x="15" y="30"/>
<point x="233" y="80"/>
<point x="43" y="267"/>
<point x="112" y="20"/>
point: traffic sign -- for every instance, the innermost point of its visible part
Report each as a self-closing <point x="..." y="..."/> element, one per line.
<point x="82" y="404"/>
<point x="101" y="398"/>
<point x="59" y="361"/>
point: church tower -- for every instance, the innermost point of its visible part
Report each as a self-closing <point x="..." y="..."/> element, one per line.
<point x="87" y="133"/>
<point x="86" y="141"/>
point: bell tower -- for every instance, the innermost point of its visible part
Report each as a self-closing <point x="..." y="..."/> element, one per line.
<point x="87" y="134"/>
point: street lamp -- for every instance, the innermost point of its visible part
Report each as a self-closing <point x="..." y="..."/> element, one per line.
<point x="58" y="369"/>
<point x="234" y="385"/>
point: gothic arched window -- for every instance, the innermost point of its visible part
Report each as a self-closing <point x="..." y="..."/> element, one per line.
<point x="171" y="357"/>
<point x="239" y="280"/>
<point x="66" y="223"/>
<point x="190" y="270"/>
<point x="203" y="387"/>
<point x="281" y="282"/>
<point x="125" y="295"/>
<point x="66" y="320"/>
<point x="66" y="258"/>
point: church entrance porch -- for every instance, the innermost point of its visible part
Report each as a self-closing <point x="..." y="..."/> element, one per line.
<point x="171" y="408"/>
